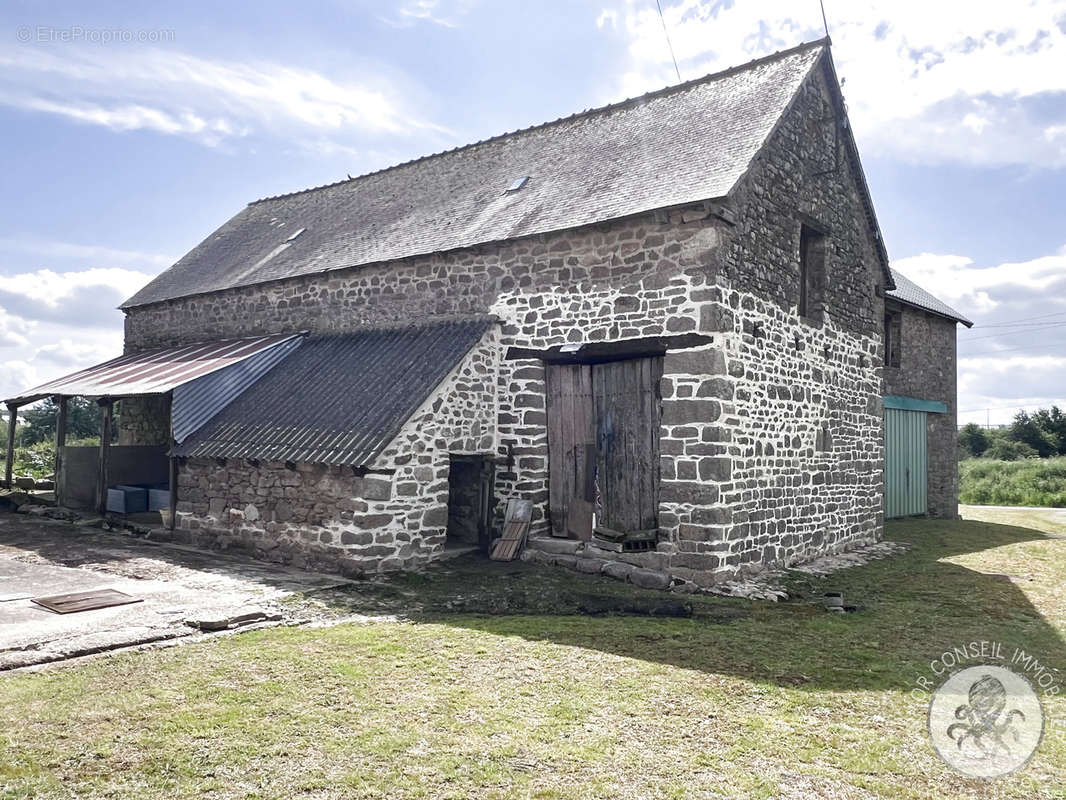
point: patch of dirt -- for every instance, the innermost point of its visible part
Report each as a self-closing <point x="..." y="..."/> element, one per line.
<point x="472" y="585"/>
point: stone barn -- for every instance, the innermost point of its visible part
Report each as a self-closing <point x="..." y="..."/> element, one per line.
<point x="660" y="321"/>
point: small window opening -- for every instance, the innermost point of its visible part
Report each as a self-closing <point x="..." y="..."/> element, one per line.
<point x="518" y="183"/>
<point x="893" y="337"/>
<point x="812" y="273"/>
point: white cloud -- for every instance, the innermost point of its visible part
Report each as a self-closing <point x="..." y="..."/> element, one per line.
<point x="607" y="18"/>
<point x="53" y="323"/>
<point x="414" y="11"/>
<point x="949" y="81"/>
<point x="13" y="330"/>
<point x="88" y="254"/>
<point x="1014" y="357"/>
<point x="207" y="100"/>
<point x="1010" y="287"/>
<point x="54" y="289"/>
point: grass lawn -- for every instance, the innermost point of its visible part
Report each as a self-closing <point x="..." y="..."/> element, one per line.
<point x="741" y="699"/>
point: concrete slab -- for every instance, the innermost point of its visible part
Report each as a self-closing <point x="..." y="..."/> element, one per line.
<point x="44" y="557"/>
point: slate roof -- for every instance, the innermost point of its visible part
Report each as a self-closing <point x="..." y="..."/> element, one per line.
<point x="907" y="291"/>
<point x="337" y="399"/>
<point x="682" y="144"/>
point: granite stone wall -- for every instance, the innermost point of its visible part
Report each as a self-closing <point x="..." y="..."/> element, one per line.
<point x="771" y="435"/>
<point x="144" y="420"/>
<point x="928" y="371"/>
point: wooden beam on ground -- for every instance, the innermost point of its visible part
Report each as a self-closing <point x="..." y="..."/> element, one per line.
<point x="107" y="411"/>
<point x="9" y="465"/>
<point x="61" y="441"/>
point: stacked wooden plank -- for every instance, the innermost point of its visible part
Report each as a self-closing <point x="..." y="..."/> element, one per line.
<point x="515" y="527"/>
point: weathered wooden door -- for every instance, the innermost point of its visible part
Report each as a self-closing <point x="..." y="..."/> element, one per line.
<point x="603" y="445"/>
<point x="628" y="411"/>
<point x="571" y="449"/>
<point x="906" y="463"/>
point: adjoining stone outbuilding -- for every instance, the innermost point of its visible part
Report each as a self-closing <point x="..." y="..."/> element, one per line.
<point x="661" y="319"/>
<point x="921" y="413"/>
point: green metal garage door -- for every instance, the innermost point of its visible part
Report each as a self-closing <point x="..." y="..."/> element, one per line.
<point x="906" y="463"/>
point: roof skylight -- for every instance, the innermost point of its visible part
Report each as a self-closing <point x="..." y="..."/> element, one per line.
<point x="518" y="183"/>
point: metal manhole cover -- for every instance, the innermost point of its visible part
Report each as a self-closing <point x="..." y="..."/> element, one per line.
<point x="85" y="601"/>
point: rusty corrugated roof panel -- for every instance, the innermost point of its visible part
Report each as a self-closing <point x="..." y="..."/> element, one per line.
<point x="338" y="399"/>
<point x="153" y="371"/>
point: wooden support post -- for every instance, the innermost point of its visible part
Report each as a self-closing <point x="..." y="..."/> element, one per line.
<point x="61" y="441"/>
<point x="9" y="465"/>
<point x="173" y="489"/>
<point x="107" y="409"/>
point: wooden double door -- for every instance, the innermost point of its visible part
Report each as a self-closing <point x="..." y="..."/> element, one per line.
<point x="603" y="446"/>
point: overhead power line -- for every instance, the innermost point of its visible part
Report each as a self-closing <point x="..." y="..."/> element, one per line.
<point x="1035" y="327"/>
<point x="1022" y="320"/>
<point x="1059" y="345"/>
<point x="673" y="58"/>
<point x="1003" y="408"/>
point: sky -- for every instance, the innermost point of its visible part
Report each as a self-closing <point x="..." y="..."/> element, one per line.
<point x="131" y="132"/>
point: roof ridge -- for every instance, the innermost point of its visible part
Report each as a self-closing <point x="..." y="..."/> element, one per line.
<point x="588" y="112"/>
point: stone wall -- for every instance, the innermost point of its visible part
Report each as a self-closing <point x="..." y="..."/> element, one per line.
<point x="628" y="279"/>
<point x="772" y="446"/>
<point x="928" y="371"/>
<point x="771" y="436"/>
<point x="321" y="517"/>
<point x="144" y="420"/>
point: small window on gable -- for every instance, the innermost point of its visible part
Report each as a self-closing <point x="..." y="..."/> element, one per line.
<point x="893" y="337"/>
<point x="812" y="273"/>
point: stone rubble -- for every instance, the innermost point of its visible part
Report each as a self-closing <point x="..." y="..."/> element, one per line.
<point x="764" y="584"/>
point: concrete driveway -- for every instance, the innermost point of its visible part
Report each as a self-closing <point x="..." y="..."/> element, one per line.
<point x="175" y="584"/>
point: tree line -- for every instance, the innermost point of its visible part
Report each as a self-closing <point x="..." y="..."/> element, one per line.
<point x="1041" y="434"/>
<point x="38" y="422"/>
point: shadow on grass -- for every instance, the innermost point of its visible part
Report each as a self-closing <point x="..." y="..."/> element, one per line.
<point x="915" y="606"/>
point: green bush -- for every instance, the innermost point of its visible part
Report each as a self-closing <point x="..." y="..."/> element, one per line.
<point x="1008" y="450"/>
<point x="38" y="460"/>
<point x="1029" y="482"/>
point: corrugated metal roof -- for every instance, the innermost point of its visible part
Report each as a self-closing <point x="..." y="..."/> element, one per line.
<point x="195" y="403"/>
<point x="683" y="144"/>
<point x="907" y="291"/>
<point x="338" y="399"/>
<point x="153" y="371"/>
